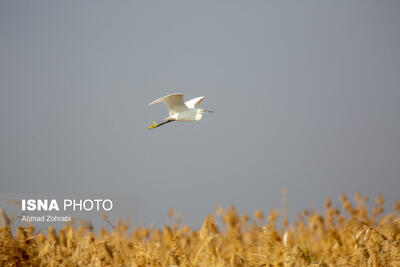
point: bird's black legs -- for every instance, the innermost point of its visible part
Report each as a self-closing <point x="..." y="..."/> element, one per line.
<point x="162" y="123"/>
<point x="155" y="125"/>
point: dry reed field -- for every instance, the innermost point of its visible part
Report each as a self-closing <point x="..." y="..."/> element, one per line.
<point x="350" y="235"/>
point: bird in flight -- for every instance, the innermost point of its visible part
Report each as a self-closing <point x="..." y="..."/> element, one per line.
<point x="179" y="110"/>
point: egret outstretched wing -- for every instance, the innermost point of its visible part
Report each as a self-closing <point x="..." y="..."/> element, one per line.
<point x="174" y="103"/>
<point x="195" y="102"/>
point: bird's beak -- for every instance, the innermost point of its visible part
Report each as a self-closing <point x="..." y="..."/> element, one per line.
<point x="209" y="111"/>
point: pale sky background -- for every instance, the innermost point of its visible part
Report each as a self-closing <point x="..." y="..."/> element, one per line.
<point x="306" y="94"/>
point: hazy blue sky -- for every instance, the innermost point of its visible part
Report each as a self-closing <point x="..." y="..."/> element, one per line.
<point x="306" y="94"/>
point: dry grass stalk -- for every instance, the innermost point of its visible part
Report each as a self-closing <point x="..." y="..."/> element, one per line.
<point x="355" y="237"/>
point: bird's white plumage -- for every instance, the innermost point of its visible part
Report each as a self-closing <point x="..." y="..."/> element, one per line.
<point x="195" y="102"/>
<point x="174" y="103"/>
<point x="179" y="110"/>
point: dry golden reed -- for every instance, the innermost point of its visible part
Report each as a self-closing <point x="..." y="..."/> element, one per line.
<point x="347" y="236"/>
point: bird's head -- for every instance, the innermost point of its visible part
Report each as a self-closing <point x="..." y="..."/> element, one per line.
<point x="200" y="113"/>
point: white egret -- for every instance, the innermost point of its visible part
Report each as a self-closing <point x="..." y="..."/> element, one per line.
<point x="179" y="110"/>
